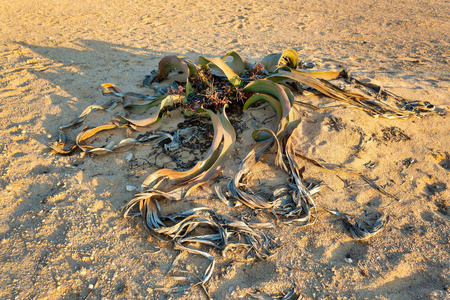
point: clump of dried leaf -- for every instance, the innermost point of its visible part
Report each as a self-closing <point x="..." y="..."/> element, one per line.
<point x="198" y="226"/>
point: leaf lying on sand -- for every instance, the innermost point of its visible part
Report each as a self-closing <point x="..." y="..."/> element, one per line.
<point x="186" y="227"/>
<point x="319" y="84"/>
<point x="185" y="181"/>
<point x="288" y="296"/>
<point x="373" y="106"/>
<point x="142" y="106"/>
<point x="246" y="196"/>
<point x="295" y="209"/>
<point x="109" y="87"/>
<point x="151" y="123"/>
<point x="360" y="229"/>
<point x="85" y="134"/>
<point x="62" y="146"/>
<point x="83" y="116"/>
<point x="301" y="195"/>
<point x="270" y="134"/>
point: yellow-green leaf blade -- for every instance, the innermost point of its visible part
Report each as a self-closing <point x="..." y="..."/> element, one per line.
<point x="237" y="64"/>
<point x="219" y="63"/>
<point x="265" y="98"/>
<point x="270" y="88"/>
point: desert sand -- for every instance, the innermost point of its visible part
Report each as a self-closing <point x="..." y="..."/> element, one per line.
<point x="62" y="234"/>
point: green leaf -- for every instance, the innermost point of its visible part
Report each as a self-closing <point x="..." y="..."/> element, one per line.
<point x="237" y="64"/>
<point x="271" y="88"/>
<point x="272" y="62"/>
<point x="279" y="92"/>
<point x="289" y="58"/>
<point x="220" y="64"/>
<point x="189" y="88"/>
<point x="265" y="98"/>
<point x="289" y="94"/>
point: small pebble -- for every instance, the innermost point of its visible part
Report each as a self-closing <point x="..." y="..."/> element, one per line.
<point x="131" y="188"/>
<point x="91" y="286"/>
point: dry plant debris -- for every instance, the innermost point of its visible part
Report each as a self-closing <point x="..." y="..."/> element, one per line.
<point x="211" y="86"/>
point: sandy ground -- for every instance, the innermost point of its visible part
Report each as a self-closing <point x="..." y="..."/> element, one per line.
<point x="62" y="234"/>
